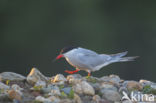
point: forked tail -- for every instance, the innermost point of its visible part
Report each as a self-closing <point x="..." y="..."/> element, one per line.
<point x="119" y="57"/>
<point x="125" y="59"/>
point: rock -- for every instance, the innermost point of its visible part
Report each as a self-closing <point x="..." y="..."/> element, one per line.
<point x="133" y="85"/>
<point x="96" y="98"/>
<point x="11" y="76"/>
<point x="58" y="78"/>
<point x="145" y="82"/>
<point x="49" y="88"/>
<point x="4" y="97"/>
<point x="65" y="101"/>
<point x="45" y="90"/>
<point x="66" y="90"/>
<point x="40" y="83"/>
<point x="121" y="89"/>
<point x="54" y="91"/>
<point x="148" y="83"/>
<point x="3" y="86"/>
<point x="127" y="101"/>
<point x="153" y="85"/>
<point x="74" y="79"/>
<point x="112" y="78"/>
<point x="42" y="99"/>
<point x="54" y="99"/>
<point x="96" y="86"/>
<point x="87" y="99"/>
<point x="73" y="89"/>
<point x="84" y="88"/>
<point x="74" y="76"/>
<point x="77" y="99"/>
<point x="16" y="87"/>
<point x="35" y="75"/>
<point x="4" y="91"/>
<point x="16" y="101"/>
<point x="14" y="95"/>
<point x="111" y="95"/>
<point x="108" y="86"/>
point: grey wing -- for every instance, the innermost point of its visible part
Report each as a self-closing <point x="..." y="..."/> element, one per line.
<point x="91" y="59"/>
<point x="86" y="51"/>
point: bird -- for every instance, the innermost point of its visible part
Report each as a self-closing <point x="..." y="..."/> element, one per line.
<point x="88" y="60"/>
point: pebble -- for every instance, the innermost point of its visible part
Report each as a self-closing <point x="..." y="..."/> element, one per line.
<point x="42" y="99"/>
<point x="35" y="75"/>
<point x="65" y="101"/>
<point x="96" y="98"/>
<point x="16" y="87"/>
<point x="58" y="78"/>
<point x="4" y="97"/>
<point x="145" y="82"/>
<point x="112" y="78"/>
<point x="11" y="76"/>
<point x="133" y="85"/>
<point x="77" y="98"/>
<point x="128" y="101"/>
<point x="3" y="86"/>
<point x="14" y="95"/>
<point x="66" y="90"/>
<point x="54" y="99"/>
<point x="84" y="88"/>
<point x="54" y="91"/>
<point x="111" y="95"/>
<point x="108" y="86"/>
<point x="40" y="83"/>
<point x="73" y="79"/>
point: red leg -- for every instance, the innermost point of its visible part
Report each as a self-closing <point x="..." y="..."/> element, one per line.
<point x="72" y="72"/>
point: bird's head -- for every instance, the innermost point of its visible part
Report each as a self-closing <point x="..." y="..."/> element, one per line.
<point x="65" y="50"/>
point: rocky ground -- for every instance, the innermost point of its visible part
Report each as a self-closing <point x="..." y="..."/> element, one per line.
<point x="37" y="88"/>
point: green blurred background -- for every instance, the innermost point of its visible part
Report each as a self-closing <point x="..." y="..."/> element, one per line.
<point x="33" y="32"/>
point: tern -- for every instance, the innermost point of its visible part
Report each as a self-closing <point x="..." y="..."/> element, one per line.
<point x="88" y="60"/>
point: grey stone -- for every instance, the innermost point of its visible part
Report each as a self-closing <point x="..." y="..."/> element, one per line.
<point x="108" y="86"/>
<point x="54" y="91"/>
<point x="72" y="79"/>
<point x="145" y="82"/>
<point x="40" y="83"/>
<point x="112" y="78"/>
<point x="58" y="78"/>
<point x="35" y="75"/>
<point x="65" y="101"/>
<point x="84" y="88"/>
<point x="11" y="76"/>
<point x="3" y="86"/>
<point x="16" y="87"/>
<point x="42" y="99"/>
<point x="54" y="99"/>
<point x="133" y="85"/>
<point x="66" y="90"/>
<point x="77" y="98"/>
<point x="96" y="98"/>
<point x="127" y="101"/>
<point x="111" y="95"/>
<point x="4" y="97"/>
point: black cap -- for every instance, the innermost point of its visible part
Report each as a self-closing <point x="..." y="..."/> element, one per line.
<point x="67" y="48"/>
